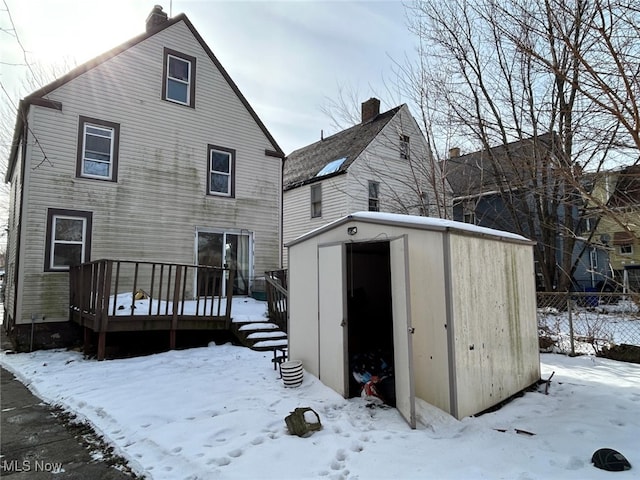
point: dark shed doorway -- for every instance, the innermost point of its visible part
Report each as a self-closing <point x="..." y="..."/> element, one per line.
<point x="370" y="320"/>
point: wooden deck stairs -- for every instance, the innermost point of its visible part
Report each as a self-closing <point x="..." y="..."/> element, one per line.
<point x="262" y="335"/>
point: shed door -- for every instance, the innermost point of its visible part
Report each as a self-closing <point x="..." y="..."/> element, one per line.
<point x="332" y="317"/>
<point x="402" y="332"/>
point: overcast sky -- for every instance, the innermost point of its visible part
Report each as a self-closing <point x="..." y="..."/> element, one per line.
<point x="287" y="57"/>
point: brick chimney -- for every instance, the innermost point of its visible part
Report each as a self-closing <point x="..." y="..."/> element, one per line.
<point x="370" y="109"/>
<point x="454" y="152"/>
<point x="156" y="17"/>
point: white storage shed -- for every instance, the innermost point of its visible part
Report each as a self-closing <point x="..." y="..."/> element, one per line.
<point x="451" y="305"/>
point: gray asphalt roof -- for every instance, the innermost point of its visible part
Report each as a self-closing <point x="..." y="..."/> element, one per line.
<point x="302" y="165"/>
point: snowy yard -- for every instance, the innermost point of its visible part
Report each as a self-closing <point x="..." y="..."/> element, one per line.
<point x="218" y="412"/>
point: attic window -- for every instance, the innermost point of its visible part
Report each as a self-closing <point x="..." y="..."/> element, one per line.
<point x="331" y="167"/>
<point x="179" y="78"/>
<point x="404" y="146"/>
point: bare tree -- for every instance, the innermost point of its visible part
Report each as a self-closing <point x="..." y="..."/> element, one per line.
<point x="499" y="73"/>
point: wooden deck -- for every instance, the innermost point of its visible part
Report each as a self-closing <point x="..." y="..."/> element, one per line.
<point x="126" y="296"/>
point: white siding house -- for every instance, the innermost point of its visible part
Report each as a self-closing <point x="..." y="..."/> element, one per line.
<point x="382" y="164"/>
<point x="149" y="152"/>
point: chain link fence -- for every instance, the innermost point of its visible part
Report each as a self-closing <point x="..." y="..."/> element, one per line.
<point x="604" y="324"/>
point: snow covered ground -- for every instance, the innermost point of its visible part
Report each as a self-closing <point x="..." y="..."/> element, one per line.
<point x="593" y="328"/>
<point x="218" y="413"/>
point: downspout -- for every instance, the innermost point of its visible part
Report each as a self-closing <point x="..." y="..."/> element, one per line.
<point x="451" y="340"/>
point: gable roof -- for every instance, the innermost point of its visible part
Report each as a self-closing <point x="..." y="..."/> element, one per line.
<point x="302" y="165"/>
<point x="39" y="96"/>
<point x="486" y="170"/>
<point x="627" y="191"/>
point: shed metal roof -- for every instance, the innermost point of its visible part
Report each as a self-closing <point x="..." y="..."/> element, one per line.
<point x="417" y="223"/>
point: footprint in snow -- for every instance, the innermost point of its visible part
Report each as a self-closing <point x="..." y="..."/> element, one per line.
<point x="235" y="453"/>
<point x="356" y="447"/>
<point x="223" y="461"/>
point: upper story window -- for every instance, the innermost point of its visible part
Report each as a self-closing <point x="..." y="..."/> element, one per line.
<point x="98" y="144"/>
<point x="374" y="196"/>
<point x="179" y="78"/>
<point x="404" y="146"/>
<point x="68" y="239"/>
<point x="316" y="200"/>
<point x="220" y="178"/>
<point x="626" y="249"/>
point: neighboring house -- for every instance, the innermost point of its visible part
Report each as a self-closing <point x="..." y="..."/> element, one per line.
<point x="383" y="164"/>
<point x="148" y="152"/>
<point x="504" y="188"/>
<point x="618" y="225"/>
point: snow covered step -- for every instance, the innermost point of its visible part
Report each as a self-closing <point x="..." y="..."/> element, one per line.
<point x="258" y="326"/>
<point x="266" y="335"/>
<point x="270" y="344"/>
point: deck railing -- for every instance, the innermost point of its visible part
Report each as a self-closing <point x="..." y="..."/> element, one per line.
<point x="277" y="297"/>
<point x="121" y="295"/>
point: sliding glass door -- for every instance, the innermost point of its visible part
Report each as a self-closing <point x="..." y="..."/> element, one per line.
<point x="224" y="248"/>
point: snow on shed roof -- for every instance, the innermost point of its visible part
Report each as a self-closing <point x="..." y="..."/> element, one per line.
<point x="416" y="222"/>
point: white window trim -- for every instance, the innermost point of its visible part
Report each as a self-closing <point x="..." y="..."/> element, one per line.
<point x="112" y="135"/>
<point x="218" y="172"/>
<point x="179" y="80"/>
<point x="627" y="245"/>
<point x="55" y="242"/>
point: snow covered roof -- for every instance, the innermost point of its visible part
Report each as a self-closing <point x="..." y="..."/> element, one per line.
<point x="415" y="222"/>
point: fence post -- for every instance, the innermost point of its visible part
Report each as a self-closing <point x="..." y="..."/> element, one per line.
<point x="571" y="340"/>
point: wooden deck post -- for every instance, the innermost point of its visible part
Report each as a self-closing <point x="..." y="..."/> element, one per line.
<point x="229" y="299"/>
<point x="87" y="339"/>
<point x="176" y="302"/>
<point x="104" y="291"/>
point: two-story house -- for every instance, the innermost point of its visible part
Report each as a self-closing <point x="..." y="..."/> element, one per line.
<point x="617" y="223"/>
<point x="382" y="164"/>
<point x="148" y="152"/>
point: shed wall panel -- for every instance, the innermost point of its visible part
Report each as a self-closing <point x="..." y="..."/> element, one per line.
<point x="496" y="342"/>
<point x="429" y="318"/>
<point x="303" y="306"/>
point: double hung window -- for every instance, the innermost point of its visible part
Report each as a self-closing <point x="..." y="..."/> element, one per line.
<point x="374" y="196"/>
<point x="220" y="178"/>
<point x="316" y="200"/>
<point x="179" y="78"/>
<point x="404" y="146"/>
<point x="98" y="143"/>
<point x="68" y="239"/>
